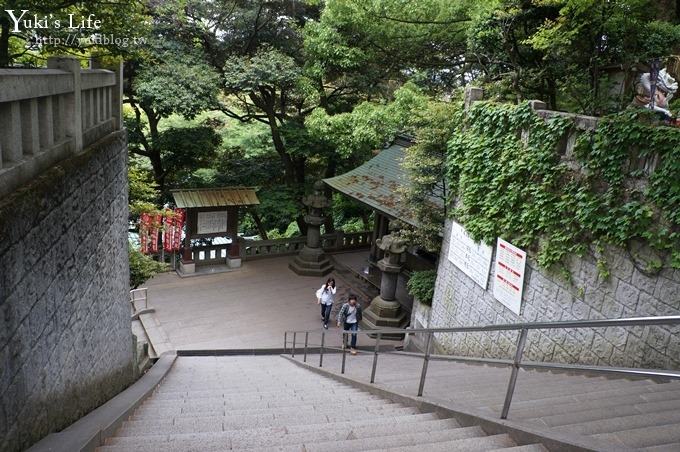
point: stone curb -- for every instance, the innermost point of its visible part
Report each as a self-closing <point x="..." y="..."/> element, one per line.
<point x="521" y="434"/>
<point x="299" y="350"/>
<point x="89" y="432"/>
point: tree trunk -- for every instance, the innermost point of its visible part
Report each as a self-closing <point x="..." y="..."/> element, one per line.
<point x="331" y="169"/>
<point x="154" y="152"/>
<point x="4" y="42"/>
<point x="258" y="223"/>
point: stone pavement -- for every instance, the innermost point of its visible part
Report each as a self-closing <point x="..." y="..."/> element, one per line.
<point x="247" y="308"/>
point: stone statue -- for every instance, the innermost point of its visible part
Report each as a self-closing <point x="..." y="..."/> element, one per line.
<point x="666" y="86"/>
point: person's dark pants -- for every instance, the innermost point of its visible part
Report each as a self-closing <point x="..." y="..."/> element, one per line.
<point x="326" y="312"/>
<point x="352" y="327"/>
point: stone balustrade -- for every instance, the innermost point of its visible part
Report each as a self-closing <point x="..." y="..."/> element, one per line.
<point x="48" y="115"/>
<point x="336" y="241"/>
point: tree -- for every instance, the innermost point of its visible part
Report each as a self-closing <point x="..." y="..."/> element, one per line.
<point x="171" y="79"/>
<point x="558" y="50"/>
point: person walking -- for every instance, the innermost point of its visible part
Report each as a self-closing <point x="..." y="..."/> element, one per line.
<point x="325" y="297"/>
<point x="349" y="317"/>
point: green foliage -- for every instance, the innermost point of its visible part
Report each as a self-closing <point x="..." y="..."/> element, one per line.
<point x="426" y="193"/>
<point x="514" y="185"/>
<point x="187" y="149"/>
<point x="291" y="230"/>
<point x="421" y="286"/>
<point x="560" y="51"/>
<point x="142" y="267"/>
<point x="142" y="192"/>
<point x="175" y="80"/>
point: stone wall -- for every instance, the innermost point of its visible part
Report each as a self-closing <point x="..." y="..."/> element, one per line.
<point x="66" y="344"/>
<point x="628" y="292"/>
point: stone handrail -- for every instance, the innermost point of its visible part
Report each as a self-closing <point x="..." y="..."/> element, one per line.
<point x="48" y="115"/>
<point x="336" y="241"/>
<point x="255" y="249"/>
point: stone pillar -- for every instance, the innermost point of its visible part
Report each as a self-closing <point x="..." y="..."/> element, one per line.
<point x="187" y="264"/>
<point x="472" y="95"/>
<point x="385" y="311"/>
<point x="73" y="120"/>
<point x="312" y="261"/>
<point x="234" y="253"/>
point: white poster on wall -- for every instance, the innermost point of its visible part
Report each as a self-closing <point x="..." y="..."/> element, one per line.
<point x="473" y="258"/>
<point x="509" y="275"/>
<point x="212" y="222"/>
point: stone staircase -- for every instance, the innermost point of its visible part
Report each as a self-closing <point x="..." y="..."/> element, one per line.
<point x="619" y="413"/>
<point x="268" y="403"/>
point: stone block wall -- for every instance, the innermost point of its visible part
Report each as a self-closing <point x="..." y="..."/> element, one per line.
<point x="628" y="292"/>
<point x="66" y="344"/>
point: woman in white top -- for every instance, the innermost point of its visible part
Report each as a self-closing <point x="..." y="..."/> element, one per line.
<point x="325" y="296"/>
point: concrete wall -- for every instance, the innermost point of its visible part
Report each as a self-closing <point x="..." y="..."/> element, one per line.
<point x="66" y="344"/>
<point x="458" y="301"/>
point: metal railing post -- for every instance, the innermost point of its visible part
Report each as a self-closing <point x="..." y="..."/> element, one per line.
<point x="375" y="357"/>
<point x="426" y="360"/>
<point x="292" y="355"/>
<point x="285" y="342"/>
<point x="521" y="341"/>
<point x="304" y="360"/>
<point x="344" y="352"/>
<point x="323" y="337"/>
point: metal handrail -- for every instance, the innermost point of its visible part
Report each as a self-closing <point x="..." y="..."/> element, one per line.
<point x="516" y="362"/>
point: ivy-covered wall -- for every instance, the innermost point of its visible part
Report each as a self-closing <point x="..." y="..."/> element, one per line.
<point x="595" y="202"/>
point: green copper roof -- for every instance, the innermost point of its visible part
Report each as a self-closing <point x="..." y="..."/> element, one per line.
<point x="375" y="183"/>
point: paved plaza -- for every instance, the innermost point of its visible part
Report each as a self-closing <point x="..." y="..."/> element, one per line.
<point x="250" y="307"/>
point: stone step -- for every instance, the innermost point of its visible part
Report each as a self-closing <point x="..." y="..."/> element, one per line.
<point x="188" y="405"/>
<point x="484" y="443"/>
<point x="254" y="394"/>
<point x="396" y="440"/>
<point x="207" y="391"/>
<point x="643" y="437"/>
<point x="329" y="408"/>
<point x="240" y="403"/>
<point x="620" y="422"/>
<point x="485" y="396"/>
<point x="260" y="439"/>
<point x="549" y="409"/>
<point x="217" y="405"/>
<point x="671" y="447"/>
<point x="221" y="423"/>
<point x="526" y="448"/>
<point x="378" y="424"/>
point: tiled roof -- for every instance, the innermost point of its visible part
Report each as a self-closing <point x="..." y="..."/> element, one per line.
<point x="215" y="197"/>
<point x="375" y="183"/>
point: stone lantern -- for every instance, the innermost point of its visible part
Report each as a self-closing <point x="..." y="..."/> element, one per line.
<point x="385" y="311"/>
<point x="312" y="261"/>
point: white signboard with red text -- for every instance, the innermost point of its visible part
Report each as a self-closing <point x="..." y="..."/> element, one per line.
<point x="473" y="258"/>
<point x="509" y="276"/>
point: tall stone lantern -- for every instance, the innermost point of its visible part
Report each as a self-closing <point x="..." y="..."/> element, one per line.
<point x="312" y="261"/>
<point x="385" y="311"/>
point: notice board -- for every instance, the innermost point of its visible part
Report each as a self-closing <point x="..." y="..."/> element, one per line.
<point x="473" y="258"/>
<point x="212" y="222"/>
<point x="509" y="275"/>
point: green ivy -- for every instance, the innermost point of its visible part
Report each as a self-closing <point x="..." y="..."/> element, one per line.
<point x="421" y="286"/>
<point x="508" y="178"/>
